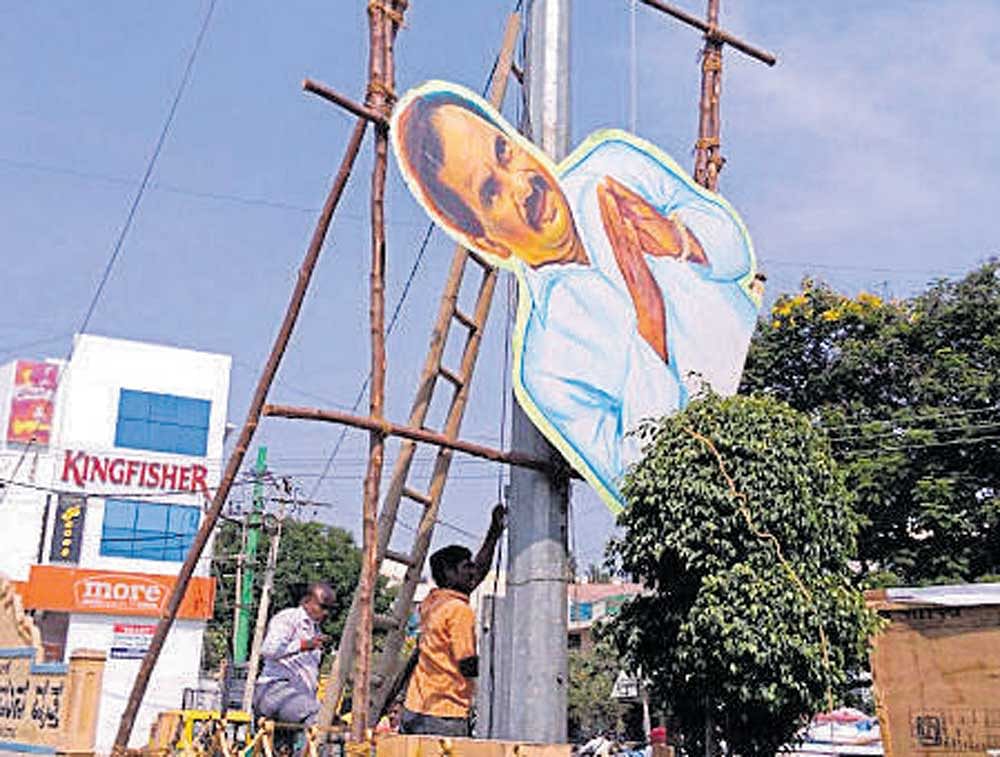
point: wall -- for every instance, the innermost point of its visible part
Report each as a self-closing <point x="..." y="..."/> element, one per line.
<point x="178" y="669"/>
<point x="21" y="515"/>
<point x="88" y="403"/>
<point x="85" y="420"/>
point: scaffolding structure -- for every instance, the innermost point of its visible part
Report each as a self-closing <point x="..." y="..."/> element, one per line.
<point x="370" y="690"/>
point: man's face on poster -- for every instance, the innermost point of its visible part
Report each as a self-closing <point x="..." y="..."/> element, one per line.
<point x="514" y="197"/>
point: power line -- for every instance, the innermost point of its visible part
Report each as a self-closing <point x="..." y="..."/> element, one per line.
<point x="806" y="264"/>
<point x="117" y="247"/>
<point x="392" y="324"/>
<point x="925" y="445"/>
<point x="6" y="483"/>
<point x="903" y="430"/>
<point x="919" y="417"/>
<point x="187" y="192"/>
<point x="149" y="167"/>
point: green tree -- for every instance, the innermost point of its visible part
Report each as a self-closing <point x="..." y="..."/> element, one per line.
<point x="909" y="392"/>
<point x="738" y="522"/>
<point x="308" y="552"/>
<point x="592" y="674"/>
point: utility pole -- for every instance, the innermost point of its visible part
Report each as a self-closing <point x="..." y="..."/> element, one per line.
<point x="262" y="609"/>
<point x="254" y="518"/>
<point x="533" y="697"/>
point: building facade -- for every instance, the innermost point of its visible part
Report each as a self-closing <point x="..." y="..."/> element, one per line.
<point x="106" y="465"/>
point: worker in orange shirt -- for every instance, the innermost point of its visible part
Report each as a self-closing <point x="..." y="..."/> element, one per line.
<point x="443" y="683"/>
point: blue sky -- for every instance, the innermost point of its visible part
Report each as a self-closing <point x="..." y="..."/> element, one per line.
<point x="864" y="158"/>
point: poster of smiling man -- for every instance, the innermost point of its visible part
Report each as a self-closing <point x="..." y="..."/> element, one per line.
<point x="636" y="285"/>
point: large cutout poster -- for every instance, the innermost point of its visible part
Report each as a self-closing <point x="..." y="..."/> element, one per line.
<point x="636" y="285"/>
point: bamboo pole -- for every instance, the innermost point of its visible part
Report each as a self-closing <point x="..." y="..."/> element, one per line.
<point x="331" y="95"/>
<point x="722" y="36"/>
<point x="383" y="18"/>
<point x="708" y="156"/>
<point x="419" y="409"/>
<point x="243" y="442"/>
<point x="388" y="428"/>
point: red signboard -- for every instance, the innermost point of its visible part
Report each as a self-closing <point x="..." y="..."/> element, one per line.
<point x="80" y="468"/>
<point x="32" y="403"/>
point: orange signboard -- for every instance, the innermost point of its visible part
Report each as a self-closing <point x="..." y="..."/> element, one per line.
<point x="64" y="589"/>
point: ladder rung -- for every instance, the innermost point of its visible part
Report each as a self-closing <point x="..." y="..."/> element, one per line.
<point x="385" y="622"/>
<point x="453" y="378"/>
<point x="399" y="557"/>
<point x="466" y="320"/>
<point x="416" y="496"/>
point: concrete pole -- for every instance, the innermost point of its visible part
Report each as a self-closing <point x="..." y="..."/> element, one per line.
<point x="534" y="701"/>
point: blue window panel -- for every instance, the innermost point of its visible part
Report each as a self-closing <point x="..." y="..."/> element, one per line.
<point x="184" y="520"/>
<point x="119" y="513"/>
<point x="162" y="423"/>
<point x="152" y="517"/>
<point x="132" y="433"/>
<point x="148" y="530"/>
<point x="116" y="542"/>
<point x="133" y="405"/>
<point x="186" y="438"/>
<point x="194" y="413"/>
<point x="163" y="408"/>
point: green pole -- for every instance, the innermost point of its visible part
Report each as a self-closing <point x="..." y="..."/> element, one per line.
<point x="254" y="519"/>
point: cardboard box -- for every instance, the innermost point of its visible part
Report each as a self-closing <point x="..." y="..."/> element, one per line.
<point x="936" y="670"/>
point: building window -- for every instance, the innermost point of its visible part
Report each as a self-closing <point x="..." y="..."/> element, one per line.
<point x="148" y="530"/>
<point x="162" y="423"/>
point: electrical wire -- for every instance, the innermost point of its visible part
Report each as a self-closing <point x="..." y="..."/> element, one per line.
<point x="119" y="241"/>
<point x="920" y="417"/>
<point x="196" y="193"/>
<point x="902" y="430"/>
<point x="926" y="445"/>
<point x="391" y="326"/>
<point x="149" y="168"/>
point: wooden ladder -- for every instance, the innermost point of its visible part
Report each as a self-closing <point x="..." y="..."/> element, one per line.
<point x="388" y="662"/>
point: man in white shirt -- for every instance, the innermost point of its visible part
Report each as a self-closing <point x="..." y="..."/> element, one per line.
<point x="292" y="649"/>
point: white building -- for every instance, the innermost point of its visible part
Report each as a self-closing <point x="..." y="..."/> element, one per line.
<point x="106" y="465"/>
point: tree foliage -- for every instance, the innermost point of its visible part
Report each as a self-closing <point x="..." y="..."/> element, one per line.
<point x="738" y="522"/>
<point x="308" y="552"/>
<point x="592" y="674"/>
<point x="909" y="392"/>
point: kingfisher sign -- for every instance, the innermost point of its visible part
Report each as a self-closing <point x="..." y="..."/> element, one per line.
<point x="80" y="468"/>
<point x="63" y="589"/>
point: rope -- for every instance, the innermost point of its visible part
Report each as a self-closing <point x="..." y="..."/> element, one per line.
<point x="388" y="10"/>
<point x="766" y="536"/>
<point x="387" y="92"/>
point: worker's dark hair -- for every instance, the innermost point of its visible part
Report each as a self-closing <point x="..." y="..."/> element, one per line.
<point x="447" y="558"/>
<point x="423" y="154"/>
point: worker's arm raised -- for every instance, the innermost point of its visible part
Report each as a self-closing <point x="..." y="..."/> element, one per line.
<point x="484" y="558"/>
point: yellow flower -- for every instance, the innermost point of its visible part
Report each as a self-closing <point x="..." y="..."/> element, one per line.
<point x="871" y="300"/>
